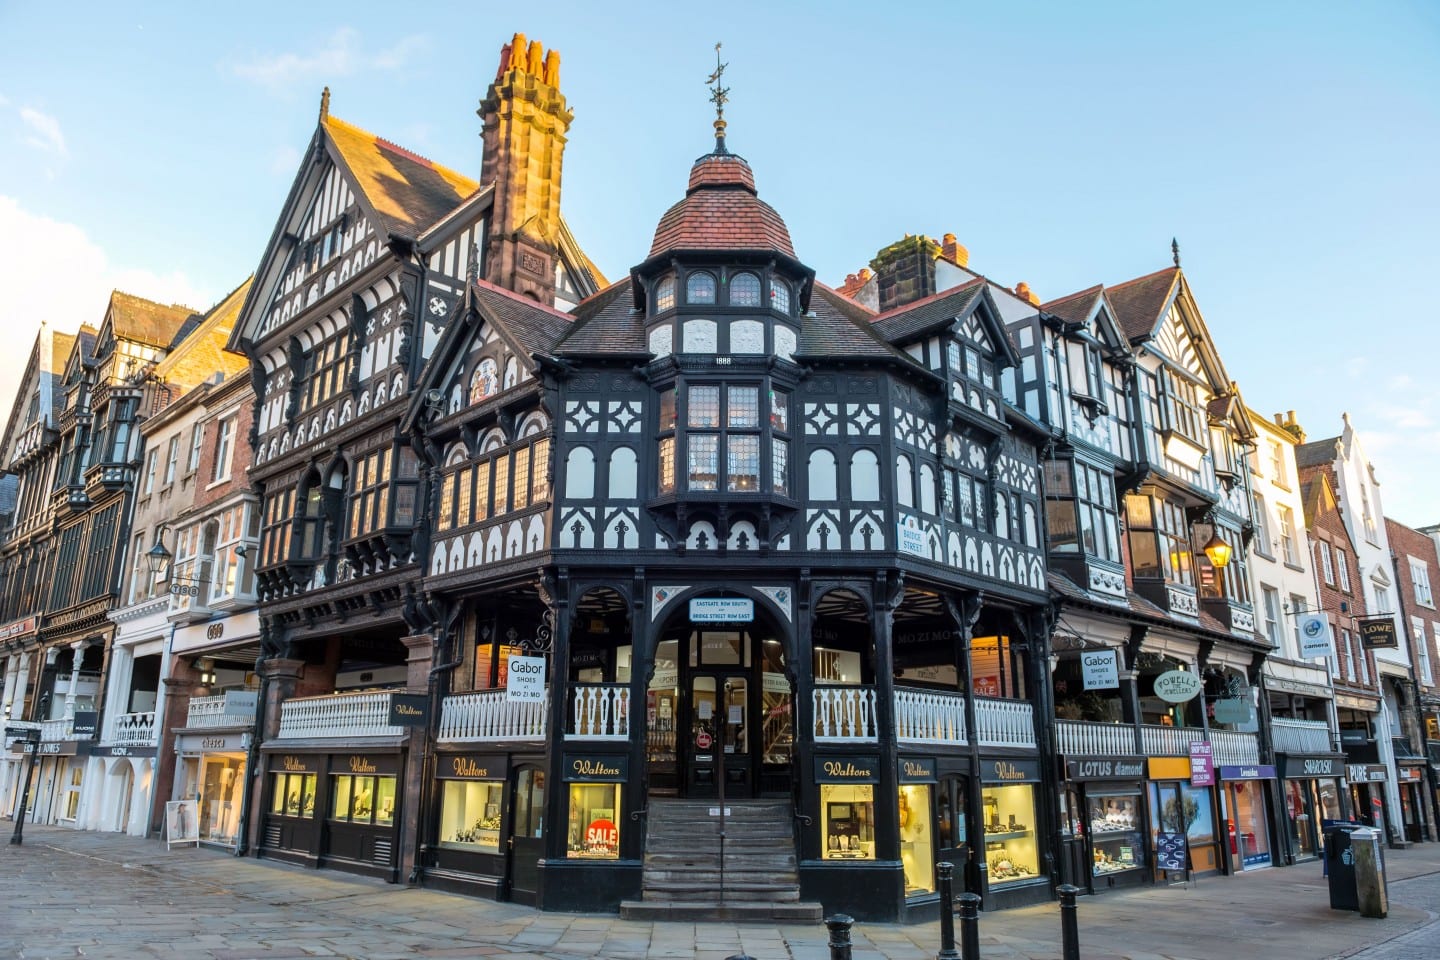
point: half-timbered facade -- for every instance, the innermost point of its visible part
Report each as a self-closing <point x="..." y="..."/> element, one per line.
<point x="361" y="277"/>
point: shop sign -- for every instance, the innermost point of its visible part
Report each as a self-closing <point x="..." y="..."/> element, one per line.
<point x="1366" y="772"/>
<point x="1169" y="768"/>
<point x="525" y="679"/>
<point x="240" y="703"/>
<point x="122" y="751"/>
<point x="1177" y="686"/>
<point x="915" y="638"/>
<point x="409" y="709"/>
<point x="1368" y="704"/>
<point x="1106" y="768"/>
<point x="362" y="765"/>
<point x="1100" y="669"/>
<point x="1009" y="771"/>
<point x="917" y="770"/>
<point x="470" y="766"/>
<point x="1233" y="710"/>
<point x="1249" y="771"/>
<point x="62" y="748"/>
<point x="1299" y="686"/>
<point x="721" y="610"/>
<point x="597" y="768"/>
<point x="84" y="724"/>
<point x="847" y="769"/>
<point x="1202" y="763"/>
<point x="1170" y="851"/>
<point x="1300" y="768"/>
<point x="18" y="628"/>
<point x="910" y="540"/>
<point x="193" y="743"/>
<point x="1354" y="736"/>
<point x="1409" y="774"/>
<point x="296" y="763"/>
<point x="1378" y="633"/>
<point x="1314" y="636"/>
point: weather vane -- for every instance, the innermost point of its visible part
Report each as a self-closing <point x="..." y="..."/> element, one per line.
<point x="719" y="96"/>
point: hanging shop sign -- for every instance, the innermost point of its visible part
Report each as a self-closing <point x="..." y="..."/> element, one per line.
<point x="847" y="769"/>
<point x="1378" y="633"/>
<point x="470" y="766"/>
<point x="409" y="709"/>
<point x="1100" y="669"/>
<point x="1234" y="710"/>
<point x="1314" y="636"/>
<point x="240" y="703"/>
<point x="917" y="770"/>
<point x="597" y="768"/>
<point x="721" y="610"/>
<point x="1177" y="686"/>
<point x="1249" y="771"/>
<point x="1202" y="763"/>
<point x="1009" y="771"/>
<point x="84" y="724"/>
<point x="1106" y="768"/>
<point x="525" y="679"/>
<point x="1366" y="772"/>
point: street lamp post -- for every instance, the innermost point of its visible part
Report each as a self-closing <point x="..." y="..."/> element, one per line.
<point x="32" y="737"/>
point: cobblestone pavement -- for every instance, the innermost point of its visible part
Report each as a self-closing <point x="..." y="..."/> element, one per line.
<point x="74" y="894"/>
<point x="1423" y="943"/>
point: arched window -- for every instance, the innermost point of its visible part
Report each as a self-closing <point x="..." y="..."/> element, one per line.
<point x="904" y="482"/>
<point x="864" y="476"/>
<point x="664" y="295"/>
<point x="745" y="290"/>
<point x="485" y="382"/>
<point x="700" y="288"/>
<point x="780" y="296"/>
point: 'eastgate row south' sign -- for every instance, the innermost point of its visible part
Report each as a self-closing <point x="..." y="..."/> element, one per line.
<point x="722" y="610"/>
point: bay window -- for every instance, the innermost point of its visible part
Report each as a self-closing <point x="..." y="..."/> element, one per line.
<point x="1159" y="538"/>
<point x="1081" y="510"/>
<point x="724" y="438"/>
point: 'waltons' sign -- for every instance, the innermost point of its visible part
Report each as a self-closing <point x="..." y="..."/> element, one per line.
<point x="847" y="769"/>
<point x="597" y="768"/>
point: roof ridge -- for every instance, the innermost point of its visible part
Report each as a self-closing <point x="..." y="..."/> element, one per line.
<point x="934" y="297"/>
<point x="844" y="296"/>
<point x="405" y="152"/>
<point x="487" y="285"/>
<point x="1088" y="291"/>
<point x="1148" y="276"/>
<point x="594" y="297"/>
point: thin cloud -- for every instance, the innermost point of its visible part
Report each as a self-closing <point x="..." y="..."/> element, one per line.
<point x="45" y="131"/>
<point x="343" y="54"/>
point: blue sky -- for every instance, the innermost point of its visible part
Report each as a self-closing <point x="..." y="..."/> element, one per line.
<point x="1291" y="147"/>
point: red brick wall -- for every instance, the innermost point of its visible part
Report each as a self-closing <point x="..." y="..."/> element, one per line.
<point x="235" y="401"/>
<point x="1341" y="603"/>
<point x="1404" y="544"/>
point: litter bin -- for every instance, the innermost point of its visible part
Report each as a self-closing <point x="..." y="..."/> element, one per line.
<point x="1367" y="849"/>
<point x="1340" y="865"/>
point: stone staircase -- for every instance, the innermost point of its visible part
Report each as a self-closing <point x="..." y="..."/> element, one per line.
<point x="685" y="878"/>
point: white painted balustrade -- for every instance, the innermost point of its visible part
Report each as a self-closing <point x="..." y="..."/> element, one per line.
<point x="844" y="714"/>
<point x="1233" y="749"/>
<point x="1087" y="738"/>
<point x="133" y="729"/>
<point x="208" y="712"/>
<point x="1301" y="736"/>
<point x="1162" y="741"/>
<point x="599" y="712"/>
<point x="1004" y="723"/>
<point x="929" y="716"/>
<point x="53" y="730"/>
<point x="487" y="716"/>
<point x="338" y="715"/>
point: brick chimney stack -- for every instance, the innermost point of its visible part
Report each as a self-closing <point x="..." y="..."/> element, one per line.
<point x="1290" y="425"/>
<point x="525" y="120"/>
<point x="905" y="271"/>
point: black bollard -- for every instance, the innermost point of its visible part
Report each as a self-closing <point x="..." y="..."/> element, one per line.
<point x="946" y="870"/>
<point x="1069" y="922"/>
<point x="839" y="926"/>
<point x="969" y="925"/>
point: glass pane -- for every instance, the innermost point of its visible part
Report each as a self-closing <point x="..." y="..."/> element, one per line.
<point x="364" y="805"/>
<point x="594" y="831"/>
<point x="745" y="290"/>
<point x="340" y="797"/>
<point x="1009" y="824"/>
<point x="704" y="462"/>
<point x="917" y="849"/>
<point x="704" y="406"/>
<point x="780" y="465"/>
<point x="743" y="464"/>
<point x="744" y="406"/>
<point x="665" y="294"/>
<point x="737" y="731"/>
<point x="780" y="411"/>
<point x="667" y="465"/>
<point x="847" y="821"/>
<point x="780" y="296"/>
<point x="470" y="815"/>
<point x="700" y="288"/>
<point x="385" y="800"/>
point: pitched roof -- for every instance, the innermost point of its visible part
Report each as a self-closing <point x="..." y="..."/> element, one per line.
<point x="931" y="311"/>
<point x="145" y="321"/>
<point x="534" y="326"/>
<point x="407" y="191"/>
<point x="1138" y="302"/>
<point x="721" y="211"/>
<point x="1076" y="307"/>
<point x="605" y="325"/>
<point x="838" y="328"/>
<point x="1316" y="453"/>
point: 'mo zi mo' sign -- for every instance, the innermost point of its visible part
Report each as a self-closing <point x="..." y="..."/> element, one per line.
<point x="526" y="679"/>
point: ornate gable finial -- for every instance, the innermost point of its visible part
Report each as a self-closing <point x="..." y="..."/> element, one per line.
<point x="472" y="270"/>
<point x="719" y="96"/>
<point x="324" y="104"/>
<point x="1175" y="251"/>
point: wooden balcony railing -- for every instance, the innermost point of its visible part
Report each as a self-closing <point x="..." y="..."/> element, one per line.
<point x="929" y="716"/>
<point x="845" y="714"/>
<point x="486" y="716"/>
<point x="1004" y="723"/>
<point x="338" y="715"/>
<point x="1301" y="736"/>
<point x="599" y="711"/>
<point x="1082" y="737"/>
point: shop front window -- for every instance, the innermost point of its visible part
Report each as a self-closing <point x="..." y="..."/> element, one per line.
<point x="1249" y="840"/>
<point x="917" y="846"/>
<point x="220" y="796"/>
<point x="470" y="815"/>
<point x="363" y="799"/>
<point x="1299" y="810"/>
<point x="1115" y="832"/>
<point x="293" y="794"/>
<point x="1181" y="808"/>
<point x="1009" y="822"/>
<point x="848" y="821"/>
<point x="594" y="821"/>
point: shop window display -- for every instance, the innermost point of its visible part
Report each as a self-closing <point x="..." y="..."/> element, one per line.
<point x="470" y="815"/>
<point x="363" y="799"/>
<point x="594" y="821"/>
<point x="293" y="794"/>
<point x="1009" y="821"/>
<point x="1115" y="833"/>
<point x="917" y="847"/>
<point x="220" y="798"/>
<point x="1249" y="838"/>
<point x="1181" y="808"/>
<point x="848" y="821"/>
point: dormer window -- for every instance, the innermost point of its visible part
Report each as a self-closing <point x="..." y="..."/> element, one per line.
<point x="665" y="295"/>
<point x="780" y="296"/>
<point x="745" y="290"/>
<point x="700" y="288"/>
